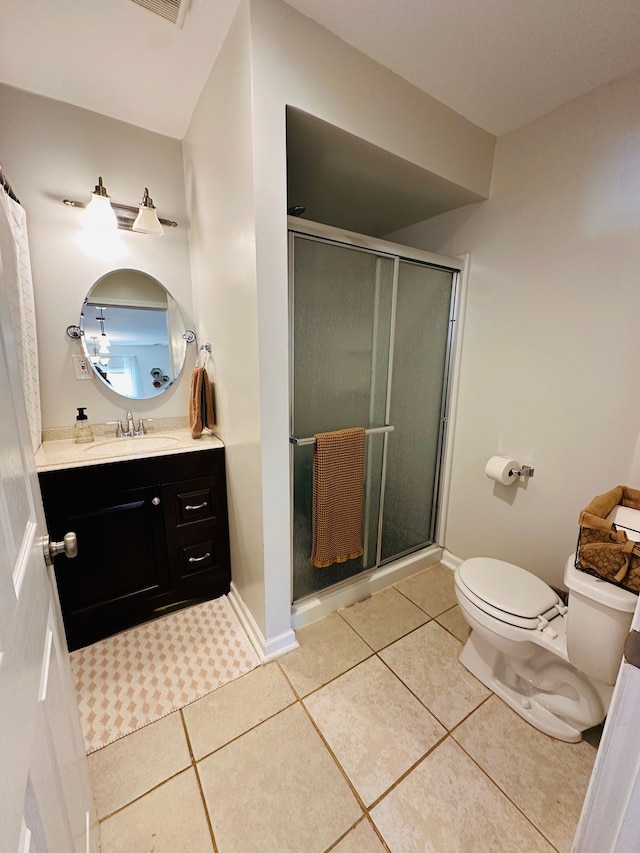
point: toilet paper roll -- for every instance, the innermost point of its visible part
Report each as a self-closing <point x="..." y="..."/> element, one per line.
<point x="501" y="468"/>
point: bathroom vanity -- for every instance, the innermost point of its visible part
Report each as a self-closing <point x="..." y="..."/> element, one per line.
<point x="152" y="530"/>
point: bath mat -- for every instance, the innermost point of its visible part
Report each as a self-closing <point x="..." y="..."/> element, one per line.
<point x="127" y="681"/>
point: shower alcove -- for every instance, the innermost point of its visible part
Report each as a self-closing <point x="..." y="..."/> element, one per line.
<point x="372" y="340"/>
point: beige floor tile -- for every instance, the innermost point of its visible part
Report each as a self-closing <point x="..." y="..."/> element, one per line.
<point x="384" y="617"/>
<point x="427" y="662"/>
<point x="236" y="707"/>
<point x="376" y="728"/>
<point x="277" y="788"/>
<point x="133" y="765"/>
<point x="361" y="839"/>
<point x="455" y="623"/>
<point x="170" y="819"/>
<point x="448" y="805"/>
<point x="546" y="778"/>
<point x="328" y="648"/>
<point x="432" y="590"/>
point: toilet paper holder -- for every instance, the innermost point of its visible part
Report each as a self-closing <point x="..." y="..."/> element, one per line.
<point x="523" y="471"/>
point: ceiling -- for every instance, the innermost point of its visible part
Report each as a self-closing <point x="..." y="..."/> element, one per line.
<point x="500" y="63"/>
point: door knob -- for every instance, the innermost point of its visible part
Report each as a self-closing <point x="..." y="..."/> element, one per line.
<point x="68" y="546"/>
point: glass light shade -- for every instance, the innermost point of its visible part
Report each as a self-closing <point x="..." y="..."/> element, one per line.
<point x="104" y="344"/>
<point x="100" y="214"/>
<point x="147" y="221"/>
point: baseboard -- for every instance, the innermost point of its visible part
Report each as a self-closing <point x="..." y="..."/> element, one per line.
<point x="361" y="587"/>
<point x="450" y="560"/>
<point x="267" y="650"/>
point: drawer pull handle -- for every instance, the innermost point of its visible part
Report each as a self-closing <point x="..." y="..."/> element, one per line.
<point x="197" y="506"/>
<point x="199" y="559"/>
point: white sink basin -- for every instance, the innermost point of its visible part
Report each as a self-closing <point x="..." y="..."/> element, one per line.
<point x="130" y="446"/>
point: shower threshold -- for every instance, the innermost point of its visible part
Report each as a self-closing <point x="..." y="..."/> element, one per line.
<point x="319" y="604"/>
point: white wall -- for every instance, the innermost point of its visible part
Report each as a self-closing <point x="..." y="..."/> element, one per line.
<point x="219" y="177"/>
<point x="51" y="151"/>
<point x="551" y="349"/>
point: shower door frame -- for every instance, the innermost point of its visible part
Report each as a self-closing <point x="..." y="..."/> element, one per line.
<point x="382" y="574"/>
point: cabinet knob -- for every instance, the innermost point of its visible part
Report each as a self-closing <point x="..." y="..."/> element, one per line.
<point x="156" y="501"/>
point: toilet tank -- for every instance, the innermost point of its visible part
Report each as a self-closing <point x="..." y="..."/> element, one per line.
<point x="598" y="621"/>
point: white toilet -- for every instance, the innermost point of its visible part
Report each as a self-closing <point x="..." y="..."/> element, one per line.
<point x="555" y="665"/>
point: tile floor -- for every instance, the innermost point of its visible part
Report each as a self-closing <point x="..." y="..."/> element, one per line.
<point x="370" y="737"/>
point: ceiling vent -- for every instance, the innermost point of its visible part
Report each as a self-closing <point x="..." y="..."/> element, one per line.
<point x="171" y="10"/>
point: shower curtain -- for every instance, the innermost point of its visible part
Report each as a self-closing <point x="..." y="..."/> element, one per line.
<point x="15" y="268"/>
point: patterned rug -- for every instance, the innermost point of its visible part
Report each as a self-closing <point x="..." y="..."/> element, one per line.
<point x="127" y="681"/>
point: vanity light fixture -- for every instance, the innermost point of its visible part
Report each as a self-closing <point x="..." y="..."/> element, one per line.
<point x="142" y="218"/>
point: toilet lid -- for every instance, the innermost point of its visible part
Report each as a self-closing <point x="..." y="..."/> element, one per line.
<point x="508" y="589"/>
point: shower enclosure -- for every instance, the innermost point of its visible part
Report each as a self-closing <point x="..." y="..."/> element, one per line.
<point x="371" y="331"/>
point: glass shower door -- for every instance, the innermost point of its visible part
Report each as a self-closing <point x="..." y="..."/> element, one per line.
<point x="371" y="336"/>
<point x="341" y="303"/>
<point x="417" y="407"/>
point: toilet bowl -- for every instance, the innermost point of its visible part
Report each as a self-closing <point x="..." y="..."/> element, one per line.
<point x="554" y="664"/>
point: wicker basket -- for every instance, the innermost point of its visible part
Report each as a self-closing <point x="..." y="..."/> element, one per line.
<point x="603" y="549"/>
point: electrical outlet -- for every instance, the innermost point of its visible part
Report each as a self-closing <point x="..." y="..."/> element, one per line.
<point x="81" y="367"/>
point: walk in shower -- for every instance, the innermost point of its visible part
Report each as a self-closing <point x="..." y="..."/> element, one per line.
<point x="371" y="335"/>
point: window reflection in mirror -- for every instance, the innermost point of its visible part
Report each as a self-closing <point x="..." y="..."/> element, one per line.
<point x="132" y="334"/>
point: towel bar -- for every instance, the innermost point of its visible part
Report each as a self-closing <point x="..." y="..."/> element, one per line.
<point x="373" y="431"/>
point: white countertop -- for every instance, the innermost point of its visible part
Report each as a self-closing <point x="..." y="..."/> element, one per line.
<point x="65" y="453"/>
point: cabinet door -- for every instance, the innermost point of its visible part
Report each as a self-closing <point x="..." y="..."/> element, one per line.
<point x="121" y="560"/>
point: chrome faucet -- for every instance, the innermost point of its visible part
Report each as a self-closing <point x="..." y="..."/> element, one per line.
<point x="131" y="429"/>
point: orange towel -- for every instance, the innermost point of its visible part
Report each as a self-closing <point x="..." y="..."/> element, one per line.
<point x="201" y="414"/>
<point x="338" y="477"/>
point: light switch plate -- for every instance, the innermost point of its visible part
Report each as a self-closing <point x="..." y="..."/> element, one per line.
<point x="81" y="367"/>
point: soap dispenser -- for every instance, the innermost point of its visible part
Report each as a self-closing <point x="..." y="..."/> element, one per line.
<point x="83" y="430"/>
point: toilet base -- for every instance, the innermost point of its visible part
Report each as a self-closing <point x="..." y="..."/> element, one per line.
<point x="491" y="667"/>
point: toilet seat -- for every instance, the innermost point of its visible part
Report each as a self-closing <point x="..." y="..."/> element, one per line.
<point x="508" y="593"/>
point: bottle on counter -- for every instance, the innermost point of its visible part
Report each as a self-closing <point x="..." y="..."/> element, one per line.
<point x="83" y="431"/>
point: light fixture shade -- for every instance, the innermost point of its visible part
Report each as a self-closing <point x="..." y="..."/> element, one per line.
<point x="147" y="222"/>
<point x="104" y="344"/>
<point x="99" y="213"/>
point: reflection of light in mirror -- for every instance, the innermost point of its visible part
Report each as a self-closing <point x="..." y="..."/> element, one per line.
<point x="101" y="244"/>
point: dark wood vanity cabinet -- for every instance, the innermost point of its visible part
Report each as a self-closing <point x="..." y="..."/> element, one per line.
<point x="152" y="538"/>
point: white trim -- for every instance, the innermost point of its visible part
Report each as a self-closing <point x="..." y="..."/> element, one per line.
<point x="375" y="244"/>
<point x="450" y="561"/>
<point x="267" y="650"/>
<point x="362" y="586"/>
<point x="610" y="822"/>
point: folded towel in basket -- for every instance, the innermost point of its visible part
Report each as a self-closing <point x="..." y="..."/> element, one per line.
<point x="338" y="477"/>
<point x="201" y="414"/>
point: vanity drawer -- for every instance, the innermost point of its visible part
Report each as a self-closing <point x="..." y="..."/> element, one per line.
<point x="196" y="558"/>
<point x="194" y="505"/>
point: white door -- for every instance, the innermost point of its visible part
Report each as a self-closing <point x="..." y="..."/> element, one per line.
<point x="610" y="819"/>
<point x="45" y="799"/>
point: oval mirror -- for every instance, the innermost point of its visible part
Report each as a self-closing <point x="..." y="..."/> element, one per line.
<point x="133" y="334"/>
